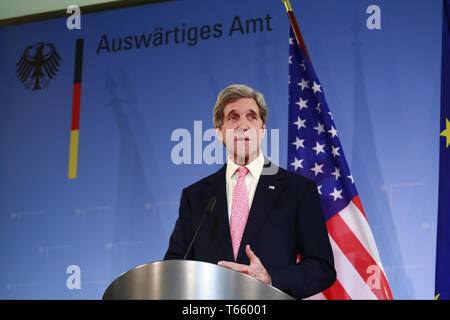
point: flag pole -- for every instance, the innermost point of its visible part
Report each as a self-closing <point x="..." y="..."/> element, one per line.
<point x="295" y="28"/>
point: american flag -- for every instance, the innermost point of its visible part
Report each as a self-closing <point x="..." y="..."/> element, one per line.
<point x="315" y="151"/>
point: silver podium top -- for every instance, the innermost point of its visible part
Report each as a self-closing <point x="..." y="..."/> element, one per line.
<point x="189" y="280"/>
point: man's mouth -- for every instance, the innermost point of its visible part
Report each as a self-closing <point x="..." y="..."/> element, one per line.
<point x="241" y="139"/>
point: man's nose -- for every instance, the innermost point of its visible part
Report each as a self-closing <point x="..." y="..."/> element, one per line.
<point x="242" y="125"/>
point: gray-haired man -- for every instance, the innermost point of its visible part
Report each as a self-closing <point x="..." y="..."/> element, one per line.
<point x="263" y="219"/>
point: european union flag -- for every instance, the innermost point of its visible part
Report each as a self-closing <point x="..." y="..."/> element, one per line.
<point x="442" y="285"/>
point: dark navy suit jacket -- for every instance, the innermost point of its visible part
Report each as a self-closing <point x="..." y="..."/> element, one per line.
<point x="285" y="219"/>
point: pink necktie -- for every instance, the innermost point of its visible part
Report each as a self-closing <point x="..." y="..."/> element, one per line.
<point x="239" y="211"/>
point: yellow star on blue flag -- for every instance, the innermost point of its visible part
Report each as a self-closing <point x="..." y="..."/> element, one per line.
<point x="446" y="132"/>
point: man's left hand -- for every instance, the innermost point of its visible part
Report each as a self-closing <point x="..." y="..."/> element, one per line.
<point x="255" y="269"/>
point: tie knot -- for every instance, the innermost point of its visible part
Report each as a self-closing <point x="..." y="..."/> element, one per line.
<point x="242" y="172"/>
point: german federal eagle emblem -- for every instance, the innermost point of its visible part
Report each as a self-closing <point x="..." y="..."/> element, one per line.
<point x="38" y="65"/>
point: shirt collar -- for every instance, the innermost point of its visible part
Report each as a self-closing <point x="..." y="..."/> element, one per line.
<point x="255" y="167"/>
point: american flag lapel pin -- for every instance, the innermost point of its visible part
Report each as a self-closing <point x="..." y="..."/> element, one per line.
<point x="271" y="187"/>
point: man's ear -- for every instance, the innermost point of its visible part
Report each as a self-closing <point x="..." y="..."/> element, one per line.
<point x="264" y="131"/>
<point x="219" y="133"/>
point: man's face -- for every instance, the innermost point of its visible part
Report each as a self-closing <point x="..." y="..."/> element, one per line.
<point x="242" y="130"/>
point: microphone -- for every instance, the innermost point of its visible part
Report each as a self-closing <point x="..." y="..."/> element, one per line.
<point x="208" y="210"/>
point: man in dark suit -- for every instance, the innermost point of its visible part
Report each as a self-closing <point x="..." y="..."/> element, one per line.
<point x="264" y="217"/>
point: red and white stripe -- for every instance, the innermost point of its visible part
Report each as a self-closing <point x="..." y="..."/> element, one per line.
<point x="360" y="273"/>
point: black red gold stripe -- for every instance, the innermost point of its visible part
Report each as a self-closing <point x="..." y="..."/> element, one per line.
<point x="74" y="130"/>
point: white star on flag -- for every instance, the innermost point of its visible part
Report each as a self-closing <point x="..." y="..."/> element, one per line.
<point x="333" y="132"/>
<point x="303" y="84"/>
<point x="302" y="103"/>
<point x="319" y="148"/>
<point x="300" y="123"/>
<point x="336" y="194"/>
<point x="317" y="169"/>
<point x="316" y="87"/>
<point x="318" y="108"/>
<point x="297" y="164"/>
<point x="298" y="143"/>
<point x="320" y="128"/>
<point x="335" y="151"/>
<point x="336" y="173"/>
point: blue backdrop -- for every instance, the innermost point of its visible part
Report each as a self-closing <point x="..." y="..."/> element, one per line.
<point x="151" y="75"/>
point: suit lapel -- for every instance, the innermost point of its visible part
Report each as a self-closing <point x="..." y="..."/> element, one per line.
<point x="267" y="192"/>
<point x="219" y="224"/>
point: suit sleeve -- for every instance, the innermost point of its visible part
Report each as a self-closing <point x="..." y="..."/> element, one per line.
<point x="315" y="272"/>
<point x="182" y="233"/>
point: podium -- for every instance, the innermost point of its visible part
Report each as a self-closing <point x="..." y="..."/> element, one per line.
<point x="189" y="280"/>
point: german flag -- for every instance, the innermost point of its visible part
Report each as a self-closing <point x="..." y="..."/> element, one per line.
<point x="74" y="131"/>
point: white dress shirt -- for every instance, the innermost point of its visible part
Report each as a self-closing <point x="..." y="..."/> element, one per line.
<point x="251" y="179"/>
